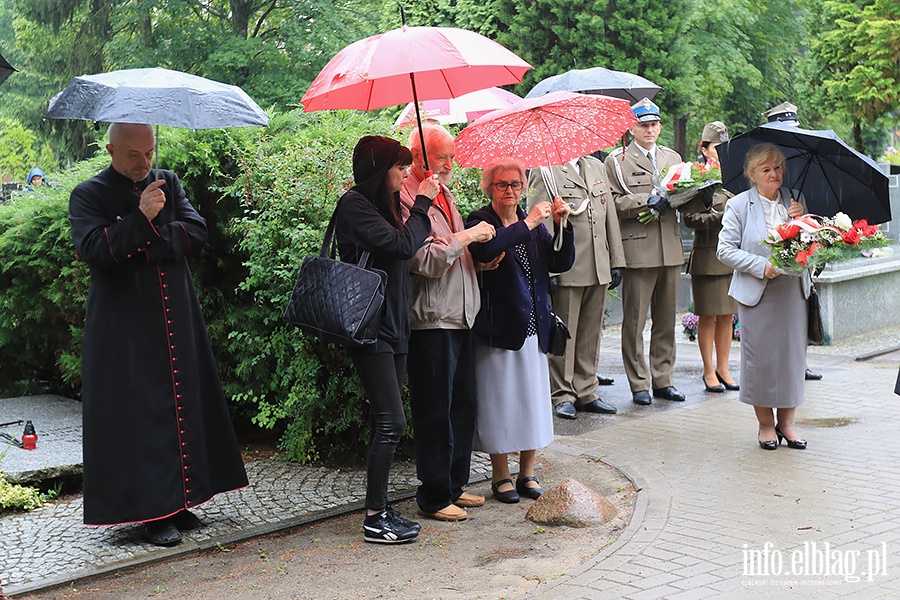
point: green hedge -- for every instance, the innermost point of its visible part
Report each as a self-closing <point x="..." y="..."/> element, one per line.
<point x="267" y="195"/>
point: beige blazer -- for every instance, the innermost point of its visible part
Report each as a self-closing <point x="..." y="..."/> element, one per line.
<point x="630" y="176"/>
<point x="598" y="242"/>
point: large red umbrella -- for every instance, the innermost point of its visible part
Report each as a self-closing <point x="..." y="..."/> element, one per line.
<point x="547" y="130"/>
<point x="463" y="109"/>
<point x="411" y="64"/>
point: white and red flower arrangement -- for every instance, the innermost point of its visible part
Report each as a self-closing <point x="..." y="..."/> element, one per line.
<point x="810" y="241"/>
<point x="680" y="183"/>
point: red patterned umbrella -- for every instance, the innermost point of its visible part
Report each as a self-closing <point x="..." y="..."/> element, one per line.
<point x="548" y="130"/>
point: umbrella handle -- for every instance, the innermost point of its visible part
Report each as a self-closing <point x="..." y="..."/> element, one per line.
<point x="412" y="80"/>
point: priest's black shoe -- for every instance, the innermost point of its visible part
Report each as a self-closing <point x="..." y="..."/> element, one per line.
<point x="597" y="406"/>
<point x="162" y="532"/>
<point x="812" y="375"/>
<point x="668" y="393"/>
<point x="565" y="410"/>
<point x="185" y="520"/>
<point x="642" y="398"/>
<point x="601" y="380"/>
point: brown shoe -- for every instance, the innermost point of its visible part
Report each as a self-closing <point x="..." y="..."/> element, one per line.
<point x="451" y="512"/>
<point x="467" y="500"/>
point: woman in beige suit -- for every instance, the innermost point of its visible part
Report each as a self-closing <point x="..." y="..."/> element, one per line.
<point x="709" y="277"/>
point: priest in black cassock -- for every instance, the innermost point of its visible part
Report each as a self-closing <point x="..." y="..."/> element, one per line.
<point x="158" y="437"/>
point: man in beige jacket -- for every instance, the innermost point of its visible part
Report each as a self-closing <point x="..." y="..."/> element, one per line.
<point x="653" y="257"/>
<point x="444" y="300"/>
<point x="580" y="295"/>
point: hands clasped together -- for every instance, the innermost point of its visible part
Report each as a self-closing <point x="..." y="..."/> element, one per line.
<point x="544" y="210"/>
<point x="794" y="210"/>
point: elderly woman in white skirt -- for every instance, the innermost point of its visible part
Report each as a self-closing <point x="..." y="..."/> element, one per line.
<point x="772" y="304"/>
<point x="512" y="331"/>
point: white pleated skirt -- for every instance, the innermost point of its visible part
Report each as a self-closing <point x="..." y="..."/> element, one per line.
<point x="773" y="346"/>
<point x="514" y="407"/>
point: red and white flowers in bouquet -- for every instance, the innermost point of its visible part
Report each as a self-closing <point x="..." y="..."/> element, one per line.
<point x="810" y="241"/>
<point x="680" y="183"/>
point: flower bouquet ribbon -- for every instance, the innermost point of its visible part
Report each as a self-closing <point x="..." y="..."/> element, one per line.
<point x="810" y="241"/>
<point x="680" y="183"/>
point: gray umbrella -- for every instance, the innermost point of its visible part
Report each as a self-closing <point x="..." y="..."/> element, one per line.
<point x="5" y="69"/>
<point x="156" y="97"/>
<point x="598" y="80"/>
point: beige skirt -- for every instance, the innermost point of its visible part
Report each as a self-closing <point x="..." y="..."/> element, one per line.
<point x="711" y="295"/>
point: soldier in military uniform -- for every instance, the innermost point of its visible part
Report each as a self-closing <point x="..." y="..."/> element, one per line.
<point x="580" y="295"/>
<point x="710" y="279"/>
<point x="653" y="257"/>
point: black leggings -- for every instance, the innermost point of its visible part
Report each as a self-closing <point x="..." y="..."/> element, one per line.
<point x="382" y="378"/>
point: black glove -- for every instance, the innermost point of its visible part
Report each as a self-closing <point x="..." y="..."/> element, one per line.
<point x="553" y="285"/>
<point x="659" y="204"/>
<point x="706" y="195"/>
<point x="616" y="274"/>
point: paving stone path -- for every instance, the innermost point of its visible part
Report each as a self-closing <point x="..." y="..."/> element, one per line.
<point x="710" y="499"/>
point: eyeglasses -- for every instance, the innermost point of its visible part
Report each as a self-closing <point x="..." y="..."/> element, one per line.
<point x="501" y="186"/>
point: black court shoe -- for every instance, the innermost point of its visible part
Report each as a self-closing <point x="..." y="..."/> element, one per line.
<point x="797" y="444"/>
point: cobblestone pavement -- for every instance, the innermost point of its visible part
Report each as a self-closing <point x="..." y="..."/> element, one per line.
<point x="709" y="497"/>
<point x="717" y="516"/>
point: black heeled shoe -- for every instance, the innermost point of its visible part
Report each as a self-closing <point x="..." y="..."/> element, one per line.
<point x="716" y="389"/>
<point x="768" y="444"/>
<point x="797" y="444"/>
<point x="510" y="497"/>
<point x="728" y="386"/>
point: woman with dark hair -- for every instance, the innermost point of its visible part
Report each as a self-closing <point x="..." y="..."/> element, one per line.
<point x="771" y="303"/>
<point x="512" y="331"/>
<point x="368" y="220"/>
<point x="709" y="277"/>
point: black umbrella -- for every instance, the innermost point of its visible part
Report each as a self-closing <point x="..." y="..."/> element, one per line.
<point x="598" y="80"/>
<point x="5" y="69"/>
<point x="831" y="175"/>
<point x="156" y="97"/>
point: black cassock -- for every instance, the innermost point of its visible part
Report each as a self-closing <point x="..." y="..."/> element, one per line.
<point x="158" y="436"/>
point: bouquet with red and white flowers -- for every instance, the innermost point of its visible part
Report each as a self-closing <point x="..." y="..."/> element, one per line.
<point x="680" y="183"/>
<point x="810" y="241"/>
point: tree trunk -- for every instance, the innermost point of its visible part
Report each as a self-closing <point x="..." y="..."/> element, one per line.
<point x="857" y="136"/>
<point x="680" y="130"/>
<point x="240" y="16"/>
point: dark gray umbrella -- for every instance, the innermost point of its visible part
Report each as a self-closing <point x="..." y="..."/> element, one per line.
<point x="156" y="97"/>
<point x="5" y="69"/>
<point x="598" y="80"/>
<point x="831" y="175"/>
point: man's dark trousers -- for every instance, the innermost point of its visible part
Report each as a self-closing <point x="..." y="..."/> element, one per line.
<point x="442" y="397"/>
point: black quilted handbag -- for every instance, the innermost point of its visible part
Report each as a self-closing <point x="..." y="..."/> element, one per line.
<point x="336" y="301"/>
